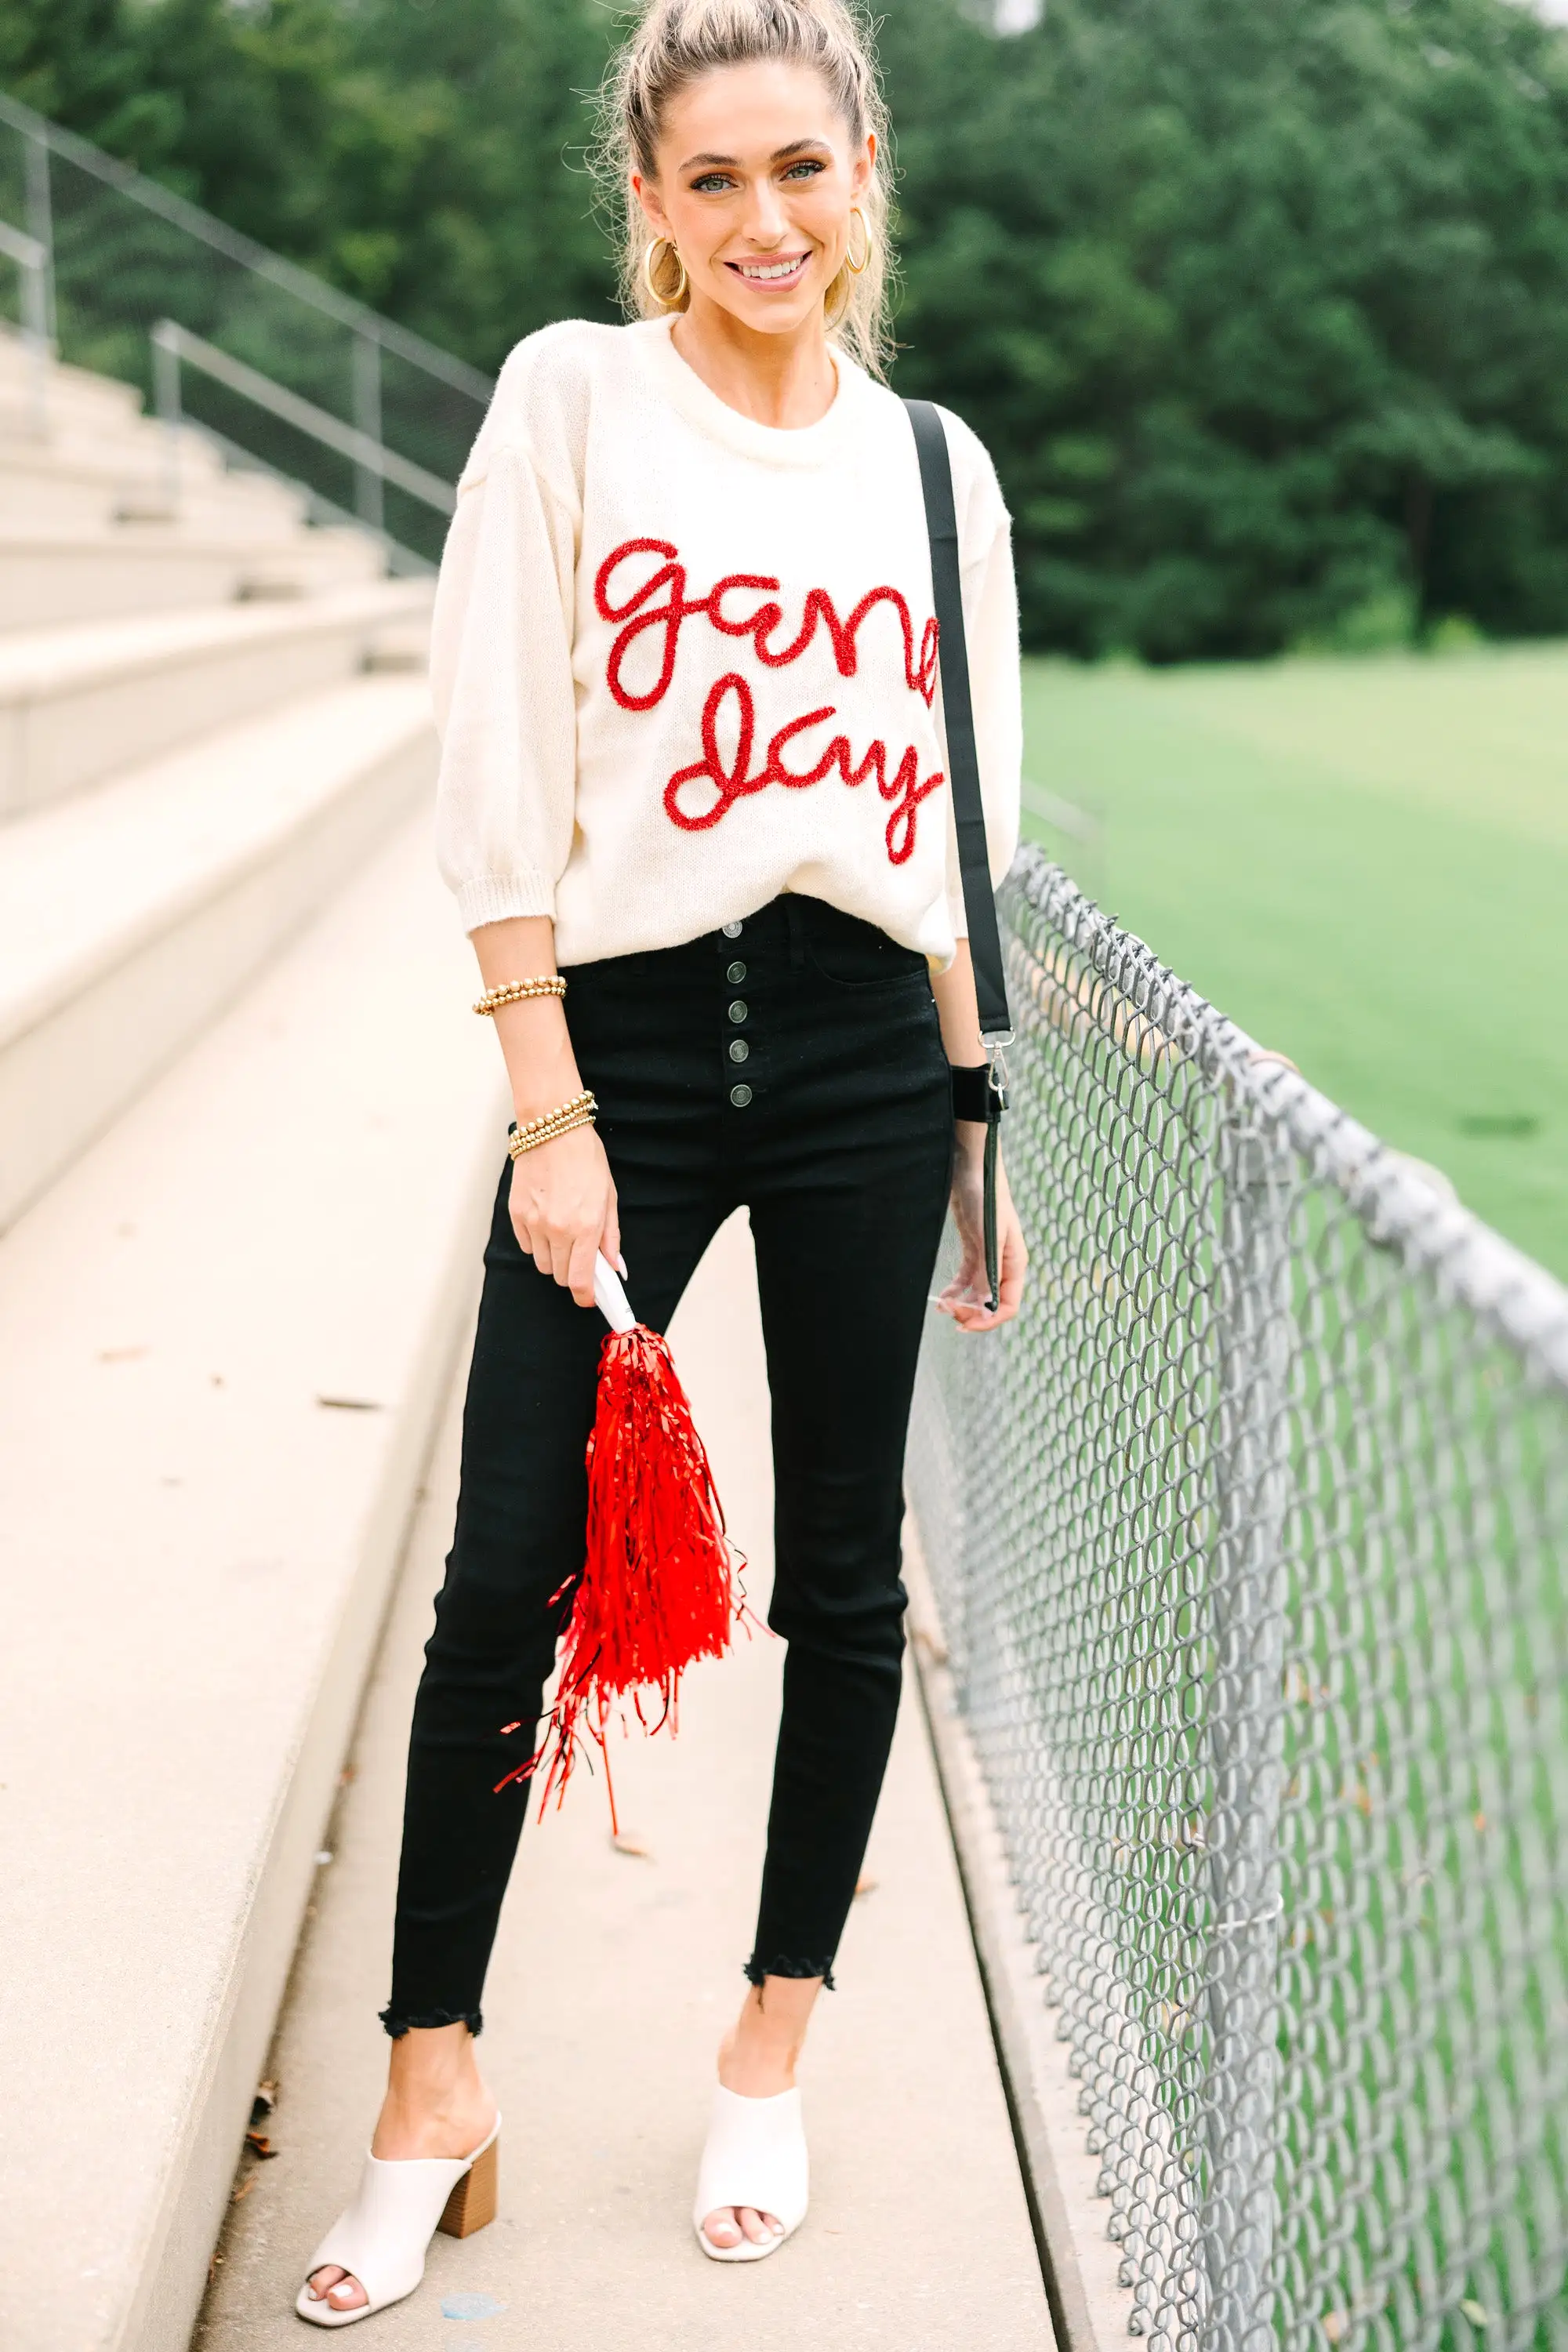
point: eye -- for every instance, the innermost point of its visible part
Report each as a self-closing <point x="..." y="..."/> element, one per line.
<point x="712" y="184"/>
<point x="807" y="168"/>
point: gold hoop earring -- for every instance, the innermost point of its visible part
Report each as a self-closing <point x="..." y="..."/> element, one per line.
<point x="859" y="268"/>
<point x="670" y="301"/>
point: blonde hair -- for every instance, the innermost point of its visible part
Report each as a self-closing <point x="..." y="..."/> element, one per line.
<point x="675" y="44"/>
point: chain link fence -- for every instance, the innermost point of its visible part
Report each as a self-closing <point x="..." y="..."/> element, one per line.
<point x="1248" y="1541"/>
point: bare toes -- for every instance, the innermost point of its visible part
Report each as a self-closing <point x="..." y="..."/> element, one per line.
<point x="720" y="2228"/>
<point x="341" y="2289"/>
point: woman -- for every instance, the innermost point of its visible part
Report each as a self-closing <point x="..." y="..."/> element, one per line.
<point x="685" y="667"/>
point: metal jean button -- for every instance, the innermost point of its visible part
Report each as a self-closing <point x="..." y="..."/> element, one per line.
<point x="739" y="1049"/>
<point x="740" y="1096"/>
<point x="738" y="1010"/>
<point x="736" y="974"/>
<point x="731" y="930"/>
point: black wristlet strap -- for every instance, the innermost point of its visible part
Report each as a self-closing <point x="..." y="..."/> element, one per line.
<point x="963" y="765"/>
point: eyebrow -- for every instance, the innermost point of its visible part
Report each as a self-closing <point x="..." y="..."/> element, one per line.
<point x="731" y="162"/>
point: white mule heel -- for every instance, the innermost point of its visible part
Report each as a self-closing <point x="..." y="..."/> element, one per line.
<point x="755" y="2155"/>
<point x="380" y="2238"/>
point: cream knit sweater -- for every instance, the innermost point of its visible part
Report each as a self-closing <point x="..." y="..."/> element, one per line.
<point x="683" y="662"/>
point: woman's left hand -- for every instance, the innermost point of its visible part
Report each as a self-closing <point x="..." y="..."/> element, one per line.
<point x="965" y="1296"/>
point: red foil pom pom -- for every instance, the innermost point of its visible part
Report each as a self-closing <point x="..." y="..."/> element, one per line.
<point x="659" y="1586"/>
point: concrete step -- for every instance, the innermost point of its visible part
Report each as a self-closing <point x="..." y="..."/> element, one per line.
<point x="131" y="915"/>
<point x="615" y="1975"/>
<point x="53" y="577"/>
<point x="74" y="397"/>
<point x="73" y="485"/>
<point x="223" y="1339"/>
<point x="80" y="704"/>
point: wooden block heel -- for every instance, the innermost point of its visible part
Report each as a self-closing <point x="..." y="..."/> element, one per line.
<point x="472" y="2202"/>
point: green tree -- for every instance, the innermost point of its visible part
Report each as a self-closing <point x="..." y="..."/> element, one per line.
<point x="426" y="158"/>
<point x="1262" y="305"/>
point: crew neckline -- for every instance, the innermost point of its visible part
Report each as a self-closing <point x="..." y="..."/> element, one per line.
<point x="778" y="444"/>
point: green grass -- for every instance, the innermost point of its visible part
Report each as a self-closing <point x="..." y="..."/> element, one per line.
<point x="1365" y="864"/>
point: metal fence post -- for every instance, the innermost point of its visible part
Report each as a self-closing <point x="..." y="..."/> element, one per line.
<point x="369" y="490"/>
<point x="167" y="393"/>
<point x="1247" y="1631"/>
<point x="41" y="229"/>
<point x="28" y="256"/>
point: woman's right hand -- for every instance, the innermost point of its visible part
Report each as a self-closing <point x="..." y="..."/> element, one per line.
<point x="564" y="1209"/>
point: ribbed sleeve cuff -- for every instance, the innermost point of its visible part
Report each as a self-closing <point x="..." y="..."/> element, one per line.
<point x="497" y="898"/>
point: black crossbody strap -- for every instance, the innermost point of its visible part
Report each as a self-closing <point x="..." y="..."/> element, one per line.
<point x="963" y="765"/>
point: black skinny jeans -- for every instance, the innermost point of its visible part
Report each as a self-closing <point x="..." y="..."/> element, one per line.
<point x="793" y="1063"/>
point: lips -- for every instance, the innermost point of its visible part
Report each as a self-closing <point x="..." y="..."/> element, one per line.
<point x="779" y="271"/>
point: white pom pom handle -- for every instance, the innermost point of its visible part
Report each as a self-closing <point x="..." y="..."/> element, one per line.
<point x="609" y="1297"/>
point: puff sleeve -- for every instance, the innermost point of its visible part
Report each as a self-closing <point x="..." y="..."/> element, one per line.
<point x="500" y="676"/>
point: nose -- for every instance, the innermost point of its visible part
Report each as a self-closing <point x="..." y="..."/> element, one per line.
<point x="764" y="222"/>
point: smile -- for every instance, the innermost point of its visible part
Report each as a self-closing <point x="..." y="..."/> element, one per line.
<point x="783" y="271"/>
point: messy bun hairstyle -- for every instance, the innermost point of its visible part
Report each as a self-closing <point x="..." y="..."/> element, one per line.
<point x="675" y="44"/>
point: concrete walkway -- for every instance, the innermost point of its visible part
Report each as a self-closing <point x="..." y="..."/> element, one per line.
<point x="614" y="1976"/>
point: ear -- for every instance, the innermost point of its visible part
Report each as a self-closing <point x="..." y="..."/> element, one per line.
<point x="863" y="166"/>
<point x="653" y="211"/>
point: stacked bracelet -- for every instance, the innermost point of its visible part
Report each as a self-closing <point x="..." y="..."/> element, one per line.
<point x="516" y="992"/>
<point x="531" y="1133"/>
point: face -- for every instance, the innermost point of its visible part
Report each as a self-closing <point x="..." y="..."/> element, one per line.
<point x="755" y="180"/>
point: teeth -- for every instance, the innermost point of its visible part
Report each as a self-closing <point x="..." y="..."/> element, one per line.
<point x="772" y="268"/>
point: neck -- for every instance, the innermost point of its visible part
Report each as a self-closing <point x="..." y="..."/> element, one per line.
<point x="788" y="381"/>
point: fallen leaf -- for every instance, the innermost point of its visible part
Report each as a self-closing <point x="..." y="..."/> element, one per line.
<point x="244" y="2189"/>
<point x="259" y="2145"/>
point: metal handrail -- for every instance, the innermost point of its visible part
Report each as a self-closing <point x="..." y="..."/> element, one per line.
<point x="238" y="247"/>
<point x="173" y="345"/>
<point x="402" y="561"/>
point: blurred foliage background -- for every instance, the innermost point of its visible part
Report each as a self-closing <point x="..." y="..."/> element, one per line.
<point x="1262" y="305"/>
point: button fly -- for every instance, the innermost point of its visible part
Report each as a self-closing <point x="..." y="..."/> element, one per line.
<point x="739" y="1049"/>
<point x="738" y="1010"/>
<point x="736" y="974"/>
<point x="740" y="1096"/>
<point x="731" y="930"/>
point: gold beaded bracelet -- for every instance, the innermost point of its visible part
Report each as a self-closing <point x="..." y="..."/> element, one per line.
<point x="516" y="992"/>
<point x="520" y="1144"/>
<point x="528" y="1134"/>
